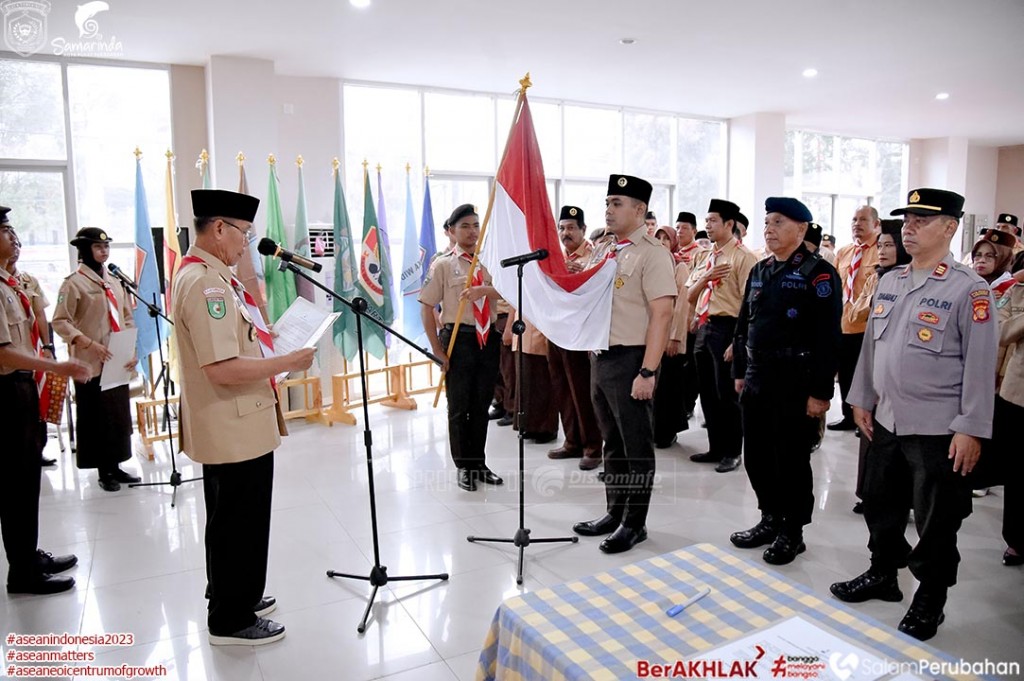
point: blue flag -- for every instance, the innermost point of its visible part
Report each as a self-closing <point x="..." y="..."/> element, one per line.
<point x="413" y="262"/>
<point x="146" y="276"/>
<point x="427" y="244"/>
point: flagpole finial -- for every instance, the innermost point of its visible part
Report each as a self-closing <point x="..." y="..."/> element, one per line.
<point x="407" y="168"/>
<point x="138" y="153"/>
<point x="335" y="163"/>
<point x="366" y="164"/>
<point x="204" y="156"/>
<point x="299" y="161"/>
<point x="169" y="154"/>
<point x="240" y="158"/>
<point x="525" y="82"/>
<point x="271" y="160"/>
<point x="426" y="171"/>
<point x="378" y="169"/>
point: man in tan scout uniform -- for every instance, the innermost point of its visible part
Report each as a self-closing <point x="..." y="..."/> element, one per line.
<point x="624" y="375"/>
<point x="228" y="420"/>
<point x="715" y="293"/>
<point x="570" y="369"/>
<point x="31" y="570"/>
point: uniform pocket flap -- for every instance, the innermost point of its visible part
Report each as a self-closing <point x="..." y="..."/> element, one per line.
<point x="249" y="404"/>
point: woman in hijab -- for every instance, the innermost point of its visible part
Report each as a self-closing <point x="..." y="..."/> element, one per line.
<point x="992" y="257"/>
<point x="91" y="306"/>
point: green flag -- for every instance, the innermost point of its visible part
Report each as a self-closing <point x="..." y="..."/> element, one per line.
<point x="344" y="274"/>
<point x="374" y="281"/>
<point x="280" y="285"/>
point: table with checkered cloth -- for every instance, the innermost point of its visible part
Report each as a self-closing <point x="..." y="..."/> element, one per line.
<point x="598" y="627"/>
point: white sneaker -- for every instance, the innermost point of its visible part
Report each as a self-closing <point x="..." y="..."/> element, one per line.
<point x="264" y="631"/>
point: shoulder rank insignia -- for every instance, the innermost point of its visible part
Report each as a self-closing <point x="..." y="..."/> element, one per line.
<point x="940" y="269"/>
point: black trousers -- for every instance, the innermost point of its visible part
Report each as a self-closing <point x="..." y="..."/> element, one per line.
<point x="469" y="386"/>
<point x="627" y="426"/>
<point x="505" y="383"/>
<point x="914" y="471"/>
<point x="540" y="411"/>
<point x="19" y="502"/>
<point x="238" y="499"/>
<point x="669" y="402"/>
<point x="1005" y="435"/>
<point x="104" y="426"/>
<point x="777" y="440"/>
<point x="717" y="389"/>
<point x="849" y="353"/>
<point x="690" y="383"/>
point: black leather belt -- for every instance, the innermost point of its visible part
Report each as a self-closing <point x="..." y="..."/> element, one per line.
<point x="463" y="328"/>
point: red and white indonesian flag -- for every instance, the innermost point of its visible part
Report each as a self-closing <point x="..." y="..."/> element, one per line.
<point x="573" y="311"/>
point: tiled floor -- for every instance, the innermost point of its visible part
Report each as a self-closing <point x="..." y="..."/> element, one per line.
<point x="141" y="564"/>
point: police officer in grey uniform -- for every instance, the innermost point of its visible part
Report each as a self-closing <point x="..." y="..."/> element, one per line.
<point x="927" y="368"/>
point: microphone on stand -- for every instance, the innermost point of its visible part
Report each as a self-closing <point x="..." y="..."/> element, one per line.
<point x="539" y="254"/>
<point x="119" y="273"/>
<point x="270" y="247"/>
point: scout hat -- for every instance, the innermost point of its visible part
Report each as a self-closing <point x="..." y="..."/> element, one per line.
<point x="90" y="235"/>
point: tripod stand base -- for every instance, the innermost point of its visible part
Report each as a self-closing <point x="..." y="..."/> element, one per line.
<point x="522" y="539"/>
<point x="175" y="482"/>
<point x="379" y="577"/>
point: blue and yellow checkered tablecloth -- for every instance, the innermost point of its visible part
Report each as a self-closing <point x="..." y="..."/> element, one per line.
<point x="598" y="627"/>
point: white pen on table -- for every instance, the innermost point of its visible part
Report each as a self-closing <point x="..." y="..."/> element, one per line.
<point x="676" y="609"/>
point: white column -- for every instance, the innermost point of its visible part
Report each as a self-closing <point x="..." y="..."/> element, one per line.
<point x="757" y="145"/>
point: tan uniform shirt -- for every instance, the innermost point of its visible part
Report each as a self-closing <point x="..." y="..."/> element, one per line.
<point x="868" y="260"/>
<point x="83" y="309"/>
<point x="1011" y="340"/>
<point x="38" y="301"/>
<point x="581" y="254"/>
<point x="219" y="423"/>
<point x="681" y="311"/>
<point x="446" y="280"/>
<point x="15" y="325"/>
<point x="728" y="293"/>
<point x="643" y="272"/>
<point x="690" y="254"/>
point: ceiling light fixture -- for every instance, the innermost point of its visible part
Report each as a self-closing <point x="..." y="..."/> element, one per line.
<point x="359" y="4"/>
<point x="810" y="73"/>
<point x="942" y="96"/>
<point x="627" y="41"/>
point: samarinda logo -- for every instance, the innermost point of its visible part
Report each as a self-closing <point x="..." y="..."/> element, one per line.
<point x="90" y="42"/>
<point x="25" y="25"/>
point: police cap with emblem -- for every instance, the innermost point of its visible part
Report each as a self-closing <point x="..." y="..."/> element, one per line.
<point x="687" y="217"/>
<point x="572" y="213"/>
<point x="221" y="203"/>
<point x="633" y="187"/>
<point x="727" y="210"/>
<point x="995" y="236"/>
<point x="793" y="209"/>
<point x="90" y="235"/>
<point x="927" y="201"/>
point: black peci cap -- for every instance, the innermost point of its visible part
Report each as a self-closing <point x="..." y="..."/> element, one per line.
<point x="633" y="187"/>
<point x="688" y="217"/>
<point x="572" y="213"/>
<point x="220" y="203"/>
<point x="727" y="210"/>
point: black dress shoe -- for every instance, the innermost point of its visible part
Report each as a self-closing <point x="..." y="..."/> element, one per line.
<point x="606" y="524"/>
<point x="925" y="614"/>
<point x="51" y="564"/>
<point x="589" y="463"/>
<point x="486" y="475"/>
<point x="759" y="535"/>
<point x="47" y="462"/>
<point x="858" y="508"/>
<point x="623" y="539"/>
<point x="728" y="464"/>
<point x="109" y="484"/>
<point x="125" y="477"/>
<point x="842" y="424"/>
<point x="784" y="549"/>
<point x="705" y="457"/>
<point x="505" y="420"/>
<point x="665" y="444"/>
<point x="564" y="453"/>
<point x="466" y="479"/>
<point x="1012" y="559"/>
<point x="39" y="583"/>
<point x="871" y="584"/>
<point x="495" y="412"/>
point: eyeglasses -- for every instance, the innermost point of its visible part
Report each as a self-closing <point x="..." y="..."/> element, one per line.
<point x="246" y="233"/>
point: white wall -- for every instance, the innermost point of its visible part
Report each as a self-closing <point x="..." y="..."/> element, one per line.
<point x="1010" y="181"/>
<point x="189" y="134"/>
<point x="982" y="175"/>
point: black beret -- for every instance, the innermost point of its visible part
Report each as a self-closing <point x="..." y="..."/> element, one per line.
<point x="633" y="187"/>
<point x="687" y="217"/>
<point x="4" y="220"/>
<point x="461" y="212"/>
<point x="927" y="201"/>
<point x="90" y="235"/>
<point x="220" y="203"/>
<point x="813" y="234"/>
<point x="1003" y="218"/>
<point x="793" y="209"/>
<point x="727" y="210"/>
<point x="572" y="213"/>
<point x="995" y="236"/>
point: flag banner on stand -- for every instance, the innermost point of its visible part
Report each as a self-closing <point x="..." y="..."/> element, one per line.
<point x="147" y="276"/>
<point x="280" y="285"/>
<point x="427" y="243"/>
<point x="572" y="310"/>
<point x="172" y="249"/>
<point x="301" y="245"/>
<point x="385" y="251"/>
<point x="413" y="264"/>
<point x="250" y="265"/>
<point x="344" y="272"/>
<point x="203" y="164"/>
<point x="374" y="280"/>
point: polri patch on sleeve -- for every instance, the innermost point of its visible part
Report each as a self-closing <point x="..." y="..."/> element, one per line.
<point x="216" y="307"/>
<point x="980" y="311"/>
<point x="823" y="285"/>
<point x="981" y="292"/>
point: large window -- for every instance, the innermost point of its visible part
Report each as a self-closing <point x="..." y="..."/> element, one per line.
<point x="835" y="175"/>
<point x="66" y="164"/>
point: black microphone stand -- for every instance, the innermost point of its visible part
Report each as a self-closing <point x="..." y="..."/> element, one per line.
<point x="522" y="537"/>
<point x="175" y="480"/>
<point x="379" y="573"/>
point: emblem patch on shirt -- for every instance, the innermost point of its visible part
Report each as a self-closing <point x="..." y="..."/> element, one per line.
<point x="879" y="309"/>
<point x="619" y="282"/>
<point x="216" y="307"/>
<point x="822" y="285"/>
<point x="792" y="313"/>
<point x="212" y="290"/>
<point x="924" y="334"/>
<point x="980" y="293"/>
<point x="928" y="317"/>
<point x="980" y="309"/>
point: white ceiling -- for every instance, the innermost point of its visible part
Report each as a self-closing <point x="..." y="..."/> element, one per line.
<point x="881" y="62"/>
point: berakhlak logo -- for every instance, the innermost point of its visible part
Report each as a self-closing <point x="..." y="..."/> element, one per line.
<point x="548" y="479"/>
<point x="87" y="26"/>
<point x="843" y="667"/>
<point x="25" y="25"/>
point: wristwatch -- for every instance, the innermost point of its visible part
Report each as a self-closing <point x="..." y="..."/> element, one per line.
<point x="646" y="373"/>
